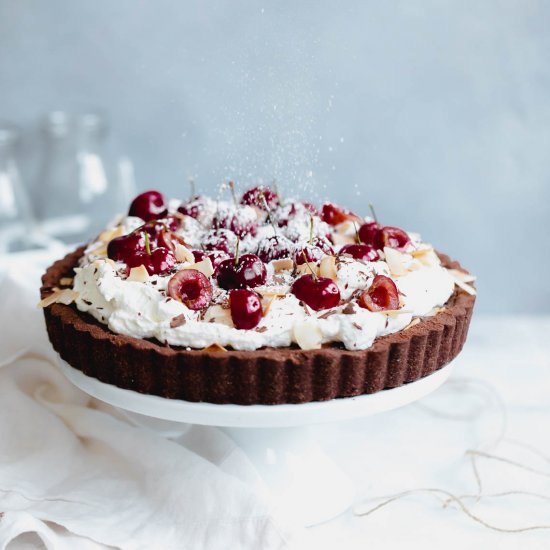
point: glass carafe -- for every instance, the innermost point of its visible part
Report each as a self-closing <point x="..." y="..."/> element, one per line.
<point x="15" y="212"/>
<point x="76" y="200"/>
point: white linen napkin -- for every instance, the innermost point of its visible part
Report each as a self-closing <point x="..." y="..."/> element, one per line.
<point x="78" y="476"/>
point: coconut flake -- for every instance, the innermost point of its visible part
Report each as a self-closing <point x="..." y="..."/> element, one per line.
<point x="138" y="274"/>
<point x="308" y="335"/>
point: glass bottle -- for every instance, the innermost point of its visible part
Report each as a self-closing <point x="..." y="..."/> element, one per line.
<point x="15" y="213"/>
<point x="76" y="197"/>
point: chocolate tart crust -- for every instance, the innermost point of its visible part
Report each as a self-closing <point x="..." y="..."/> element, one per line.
<point x="267" y="376"/>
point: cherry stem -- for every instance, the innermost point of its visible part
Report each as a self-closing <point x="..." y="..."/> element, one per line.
<point x="309" y="266"/>
<point x="268" y="210"/>
<point x="237" y="246"/>
<point x="232" y="187"/>
<point x="373" y="212"/>
<point x="310" y="229"/>
<point x="357" y="238"/>
<point x="192" y="186"/>
<point x="147" y="244"/>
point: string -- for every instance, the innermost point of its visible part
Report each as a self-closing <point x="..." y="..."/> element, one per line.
<point x="447" y="498"/>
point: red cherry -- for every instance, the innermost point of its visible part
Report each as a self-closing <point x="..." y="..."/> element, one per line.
<point x="249" y="271"/>
<point x="323" y="244"/>
<point x="242" y="221"/>
<point x="246" y="308"/>
<point x="194" y="207"/>
<point x="220" y="239"/>
<point x="363" y="252"/>
<point x="317" y="292"/>
<point x="274" y="248"/>
<point x="120" y="249"/>
<point x="288" y="211"/>
<point x="148" y="206"/>
<point x="168" y="239"/>
<point x="392" y="237"/>
<point x="368" y="232"/>
<point x="382" y="295"/>
<point x="334" y="215"/>
<point x="160" y="261"/>
<point x="191" y="287"/>
<point x="308" y="253"/>
<point x="255" y="197"/>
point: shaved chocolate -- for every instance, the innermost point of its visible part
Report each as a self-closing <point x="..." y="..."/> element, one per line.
<point x="178" y="321"/>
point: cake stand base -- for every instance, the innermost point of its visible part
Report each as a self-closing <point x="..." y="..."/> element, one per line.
<point x="304" y="482"/>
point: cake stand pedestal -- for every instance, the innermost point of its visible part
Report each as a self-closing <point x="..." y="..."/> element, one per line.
<point x="303" y="481"/>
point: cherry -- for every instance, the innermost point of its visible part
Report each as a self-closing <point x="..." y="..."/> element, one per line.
<point x="363" y="252"/>
<point x="392" y="237"/>
<point x="368" y="232"/>
<point x="220" y="239"/>
<point x="334" y="215"/>
<point x="248" y="271"/>
<point x="161" y="260"/>
<point x="308" y="253"/>
<point x="288" y="211"/>
<point x="191" y="287"/>
<point x="317" y="292"/>
<point x="274" y="248"/>
<point x="246" y="308"/>
<point x="158" y="262"/>
<point x="382" y="295"/>
<point x="120" y="249"/>
<point x="323" y="244"/>
<point x="242" y="221"/>
<point x="255" y="197"/>
<point x="194" y="207"/>
<point x="148" y="206"/>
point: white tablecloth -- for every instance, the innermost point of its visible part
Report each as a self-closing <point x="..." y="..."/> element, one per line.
<point x="493" y="414"/>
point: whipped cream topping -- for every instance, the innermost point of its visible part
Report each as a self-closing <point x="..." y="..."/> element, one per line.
<point x="143" y="308"/>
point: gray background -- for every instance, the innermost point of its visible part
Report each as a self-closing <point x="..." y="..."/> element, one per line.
<point x="437" y="111"/>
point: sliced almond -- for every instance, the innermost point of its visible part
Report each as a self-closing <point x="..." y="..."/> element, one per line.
<point x="270" y="293"/>
<point x="99" y="251"/>
<point x="308" y="335"/>
<point x="429" y="259"/>
<point x="395" y="311"/>
<point x="138" y="274"/>
<point x="462" y="276"/>
<point x="327" y="267"/>
<point x="204" y="266"/>
<point x="66" y="281"/>
<point x="413" y="323"/>
<point x="466" y="287"/>
<point x="339" y="239"/>
<point x="109" y="234"/>
<point x="266" y="304"/>
<point x="422" y="250"/>
<point x="66" y="296"/>
<point x="346" y="228"/>
<point x="218" y="314"/>
<point x="215" y="348"/>
<point x="282" y="265"/>
<point x="183" y="254"/>
<point x="303" y="269"/>
<point x="396" y="261"/>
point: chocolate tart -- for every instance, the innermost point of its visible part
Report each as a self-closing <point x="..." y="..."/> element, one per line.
<point x="266" y="376"/>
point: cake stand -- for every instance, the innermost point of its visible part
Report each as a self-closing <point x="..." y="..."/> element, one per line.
<point x="303" y="481"/>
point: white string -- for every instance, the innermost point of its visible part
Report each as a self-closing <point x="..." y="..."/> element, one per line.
<point x="447" y="498"/>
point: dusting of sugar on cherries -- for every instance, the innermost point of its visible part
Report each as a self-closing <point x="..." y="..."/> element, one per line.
<point x="155" y="242"/>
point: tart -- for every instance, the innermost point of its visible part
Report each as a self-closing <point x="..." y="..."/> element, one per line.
<point x="255" y="300"/>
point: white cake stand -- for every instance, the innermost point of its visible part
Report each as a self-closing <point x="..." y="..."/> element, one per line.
<point x="302" y="479"/>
